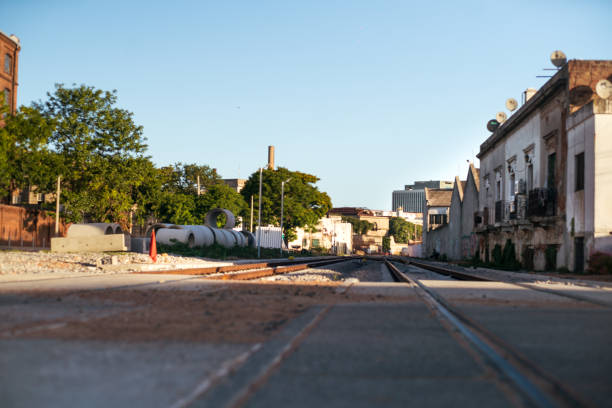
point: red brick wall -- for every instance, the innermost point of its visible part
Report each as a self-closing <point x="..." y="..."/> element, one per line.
<point x="9" y="81"/>
<point x="26" y="227"/>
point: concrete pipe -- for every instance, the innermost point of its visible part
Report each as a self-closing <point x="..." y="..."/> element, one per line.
<point x="224" y="238"/>
<point x="203" y="235"/>
<point x="211" y="218"/>
<point x="250" y="238"/>
<point x="117" y="228"/>
<point x="88" y="230"/>
<point x="170" y="236"/>
<point x="240" y="240"/>
<point x="158" y="226"/>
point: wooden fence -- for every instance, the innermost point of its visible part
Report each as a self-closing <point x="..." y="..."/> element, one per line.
<point x="25" y="227"/>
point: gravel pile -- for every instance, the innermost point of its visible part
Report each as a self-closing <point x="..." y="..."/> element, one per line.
<point x="40" y="263"/>
<point x="352" y="271"/>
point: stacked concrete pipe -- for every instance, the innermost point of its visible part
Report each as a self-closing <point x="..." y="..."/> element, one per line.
<point x="93" y="229"/>
<point x="205" y="235"/>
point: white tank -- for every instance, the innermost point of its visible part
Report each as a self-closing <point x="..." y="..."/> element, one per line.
<point x="88" y="230"/>
<point x="203" y="235"/>
<point x="168" y="236"/>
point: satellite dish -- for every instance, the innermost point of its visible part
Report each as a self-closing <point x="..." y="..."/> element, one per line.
<point x="604" y="89"/>
<point x="492" y="125"/>
<point x="511" y="104"/>
<point x="558" y="58"/>
<point x="501" y="117"/>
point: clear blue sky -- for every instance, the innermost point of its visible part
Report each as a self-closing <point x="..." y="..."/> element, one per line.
<point x="367" y="95"/>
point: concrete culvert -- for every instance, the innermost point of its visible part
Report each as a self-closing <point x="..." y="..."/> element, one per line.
<point x="224" y="238"/>
<point x="169" y="236"/>
<point x="213" y="215"/>
<point x="203" y="235"/>
<point x="89" y="230"/>
<point x="250" y="238"/>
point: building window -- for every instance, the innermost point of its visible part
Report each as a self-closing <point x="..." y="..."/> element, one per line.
<point x="579" y="254"/>
<point x="8" y="63"/>
<point x="552" y="158"/>
<point x="579" y="160"/>
<point x="512" y="186"/>
<point x="530" y="177"/>
<point x="438" y="219"/>
<point x="315" y="243"/>
<point x="7" y="97"/>
<point x="498" y="190"/>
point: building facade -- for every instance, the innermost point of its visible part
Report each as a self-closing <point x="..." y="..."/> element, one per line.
<point x="546" y="174"/>
<point x="9" y="58"/>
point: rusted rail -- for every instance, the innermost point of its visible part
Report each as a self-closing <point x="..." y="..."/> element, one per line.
<point x="277" y="270"/>
<point x="235" y="268"/>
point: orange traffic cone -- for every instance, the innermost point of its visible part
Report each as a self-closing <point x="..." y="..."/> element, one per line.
<point x="153" y="247"/>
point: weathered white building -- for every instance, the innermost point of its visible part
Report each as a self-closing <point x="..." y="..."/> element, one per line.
<point x="435" y="215"/>
<point x="330" y="233"/>
<point x="546" y="174"/>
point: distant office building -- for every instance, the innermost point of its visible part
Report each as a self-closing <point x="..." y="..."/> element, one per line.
<point x="408" y="200"/>
<point x="411" y="198"/>
<point x="9" y="55"/>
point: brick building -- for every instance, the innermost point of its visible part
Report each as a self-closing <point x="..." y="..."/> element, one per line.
<point x="9" y="58"/>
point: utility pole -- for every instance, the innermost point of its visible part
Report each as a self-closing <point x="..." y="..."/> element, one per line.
<point x="282" y="208"/>
<point x="57" y="205"/>
<point x="198" y="184"/>
<point x="251" y="229"/>
<point x="259" y="217"/>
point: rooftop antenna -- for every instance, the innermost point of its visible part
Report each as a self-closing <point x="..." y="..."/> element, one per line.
<point x="604" y="89"/>
<point x="501" y="117"/>
<point x="511" y="104"/>
<point x="558" y="59"/>
<point x="492" y="125"/>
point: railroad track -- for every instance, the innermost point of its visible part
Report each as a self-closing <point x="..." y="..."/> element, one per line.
<point x="253" y="270"/>
<point x="533" y="384"/>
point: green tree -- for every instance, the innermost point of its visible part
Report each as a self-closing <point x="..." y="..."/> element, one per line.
<point x="101" y="151"/>
<point x="402" y="230"/>
<point x="183" y="178"/>
<point x="305" y="205"/>
<point x="25" y="159"/>
<point x="360" y="227"/>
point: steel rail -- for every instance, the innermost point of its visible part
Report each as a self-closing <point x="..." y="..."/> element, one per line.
<point x="525" y="285"/>
<point x="518" y="371"/>
<point x="249" y="274"/>
<point x="210" y="270"/>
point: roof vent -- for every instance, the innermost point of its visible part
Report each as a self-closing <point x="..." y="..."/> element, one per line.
<point x="529" y="92"/>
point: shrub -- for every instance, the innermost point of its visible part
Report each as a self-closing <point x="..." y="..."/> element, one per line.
<point x="600" y="263"/>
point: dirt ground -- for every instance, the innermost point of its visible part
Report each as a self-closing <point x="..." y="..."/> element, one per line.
<point x="229" y="313"/>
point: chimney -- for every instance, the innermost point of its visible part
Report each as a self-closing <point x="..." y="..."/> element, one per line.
<point x="529" y="92"/>
<point x="271" y="157"/>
